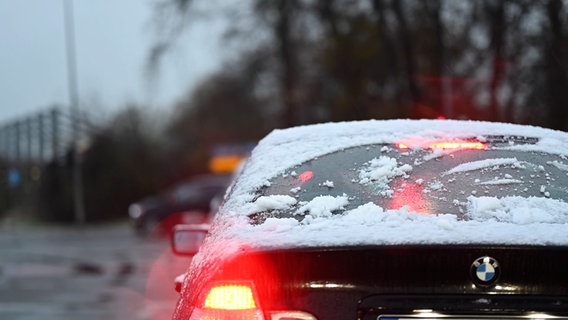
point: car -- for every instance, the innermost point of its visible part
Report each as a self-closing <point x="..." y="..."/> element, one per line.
<point x="187" y="202"/>
<point x="388" y="220"/>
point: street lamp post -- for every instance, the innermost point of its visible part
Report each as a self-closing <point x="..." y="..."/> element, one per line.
<point x="78" y="202"/>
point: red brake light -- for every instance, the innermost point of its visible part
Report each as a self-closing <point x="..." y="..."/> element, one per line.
<point x="445" y="145"/>
<point x="457" y="145"/>
<point x="229" y="301"/>
<point x="230" y="297"/>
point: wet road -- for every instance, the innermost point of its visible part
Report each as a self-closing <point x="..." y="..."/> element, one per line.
<point x="98" y="273"/>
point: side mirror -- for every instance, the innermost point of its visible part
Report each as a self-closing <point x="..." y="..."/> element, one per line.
<point x="187" y="238"/>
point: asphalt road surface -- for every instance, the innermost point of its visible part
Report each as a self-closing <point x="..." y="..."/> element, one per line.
<point x="102" y="272"/>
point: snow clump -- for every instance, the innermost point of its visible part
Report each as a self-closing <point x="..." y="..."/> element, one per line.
<point x="380" y="171"/>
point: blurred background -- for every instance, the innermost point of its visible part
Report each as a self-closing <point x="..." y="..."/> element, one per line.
<point x="241" y="69"/>
<point x="106" y="103"/>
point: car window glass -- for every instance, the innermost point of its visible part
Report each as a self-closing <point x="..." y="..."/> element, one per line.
<point x="420" y="179"/>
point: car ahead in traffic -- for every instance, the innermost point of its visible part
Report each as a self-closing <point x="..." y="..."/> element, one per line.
<point x="388" y="220"/>
<point x="187" y="202"/>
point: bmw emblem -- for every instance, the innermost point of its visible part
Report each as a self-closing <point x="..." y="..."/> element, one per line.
<point x="485" y="271"/>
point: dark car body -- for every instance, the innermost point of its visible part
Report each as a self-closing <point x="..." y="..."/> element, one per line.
<point x="187" y="202"/>
<point x="390" y="220"/>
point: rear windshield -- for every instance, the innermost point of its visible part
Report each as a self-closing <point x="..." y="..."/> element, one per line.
<point x="418" y="179"/>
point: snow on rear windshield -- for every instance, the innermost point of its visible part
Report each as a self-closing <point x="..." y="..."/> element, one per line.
<point x="509" y="220"/>
<point x="380" y="171"/>
<point x="513" y="194"/>
<point x="476" y="165"/>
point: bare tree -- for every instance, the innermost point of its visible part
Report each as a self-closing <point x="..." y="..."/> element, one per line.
<point x="557" y="66"/>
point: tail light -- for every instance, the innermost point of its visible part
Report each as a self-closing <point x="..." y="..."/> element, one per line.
<point x="238" y="301"/>
<point x="229" y="301"/>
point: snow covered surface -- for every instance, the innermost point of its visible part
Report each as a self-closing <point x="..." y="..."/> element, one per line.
<point x="511" y="220"/>
<point x="286" y="148"/>
<point x="488" y="220"/>
<point x="380" y="172"/>
<point x="476" y="165"/>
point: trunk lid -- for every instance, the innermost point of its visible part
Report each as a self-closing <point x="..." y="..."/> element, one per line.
<point x="364" y="282"/>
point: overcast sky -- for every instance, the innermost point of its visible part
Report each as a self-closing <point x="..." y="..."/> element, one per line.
<point x="113" y="38"/>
